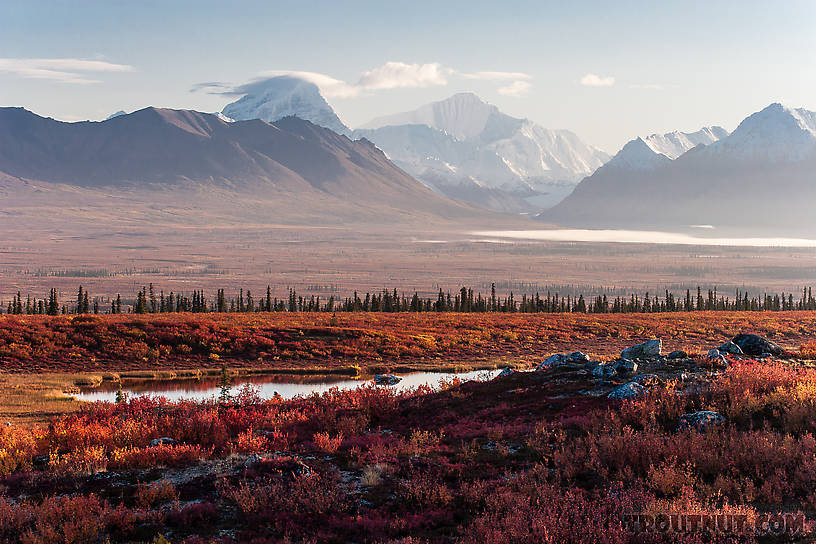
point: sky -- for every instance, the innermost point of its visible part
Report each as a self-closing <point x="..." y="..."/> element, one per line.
<point x="609" y="71"/>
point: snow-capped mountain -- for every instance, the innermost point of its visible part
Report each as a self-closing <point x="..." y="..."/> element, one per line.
<point x="674" y="144"/>
<point x="761" y="176"/>
<point x="656" y="150"/>
<point x="777" y="133"/>
<point x="273" y="99"/>
<point x="464" y="145"/>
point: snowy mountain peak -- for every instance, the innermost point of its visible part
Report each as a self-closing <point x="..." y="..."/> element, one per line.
<point x="638" y="154"/>
<point x="648" y="152"/>
<point x="674" y="144"/>
<point x="273" y="99"/>
<point x="463" y="116"/>
<point x="776" y="133"/>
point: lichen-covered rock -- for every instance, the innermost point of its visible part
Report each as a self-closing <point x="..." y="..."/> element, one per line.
<point x="730" y="347"/>
<point x="645" y="350"/>
<point x="647" y="380"/>
<point x="753" y="344"/>
<point x="604" y="371"/>
<point x="700" y="421"/>
<point x="625" y="366"/>
<point x="627" y="391"/>
<point x="386" y="379"/>
<point x="561" y="359"/>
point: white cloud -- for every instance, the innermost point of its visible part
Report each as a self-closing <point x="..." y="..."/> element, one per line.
<point x="592" y="80"/>
<point x="63" y="70"/>
<point x="516" y="88"/>
<point x="393" y="75"/>
<point x="329" y="86"/>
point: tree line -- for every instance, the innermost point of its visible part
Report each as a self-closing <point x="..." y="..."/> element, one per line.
<point x="149" y="301"/>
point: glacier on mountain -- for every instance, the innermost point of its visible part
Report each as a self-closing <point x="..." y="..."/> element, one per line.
<point x="464" y="145"/>
<point x="275" y="98"/>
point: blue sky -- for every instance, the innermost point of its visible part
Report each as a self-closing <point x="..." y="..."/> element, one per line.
<point x="607" y="70"/>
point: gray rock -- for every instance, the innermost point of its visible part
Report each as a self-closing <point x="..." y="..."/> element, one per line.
<point x="648" y="380"/>
<point x="551" y="362"/>
<point x="386" y="379"/>
<point x="730" y="347"/>
<point x="576" y="358"/>
<point x="753" y="344"/>
<point x="506" y="372"/>
<point x="625" y="366"/>
<point x="646" y="350"/>
<point x="163" y="441"/>
<point x="627" y="391"/>
<point x="700" y="421"/>
<point x="604" y="371"/>
<point x="678" y="354"/>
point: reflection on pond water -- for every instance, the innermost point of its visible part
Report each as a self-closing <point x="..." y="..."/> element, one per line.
<point x="287" y="386"/>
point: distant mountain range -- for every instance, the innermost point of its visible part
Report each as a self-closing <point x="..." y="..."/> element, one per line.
<point x="298" y="168"/>
<point x="461" y="147"/>
<point x="760" y="177"/>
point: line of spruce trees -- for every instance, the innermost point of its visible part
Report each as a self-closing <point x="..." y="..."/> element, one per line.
<point x="147" y="301"/>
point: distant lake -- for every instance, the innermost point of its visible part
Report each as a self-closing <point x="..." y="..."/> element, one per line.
<point x="641" y="237"/>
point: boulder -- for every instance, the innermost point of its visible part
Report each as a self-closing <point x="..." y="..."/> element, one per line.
<point x="647" y="350"/>
<point x="625" y="366"/>
<point x="561" y="359"/>
<point x="577" y="357"/>
<point x="730" y="347"/>
<point x="551" y="362"/>
<point x="506" y="372"/>
<point x="753" y="344"/>
<point x="678" y="354"/>
<point x="627" y="391"/>
<point x="700" y="421"/>
<point x="604" y="371"/>
<point x="163" y="441"/>
<point x="386" y="379"/>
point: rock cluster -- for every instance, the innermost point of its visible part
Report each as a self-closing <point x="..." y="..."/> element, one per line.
<point x="643" y="366"/>
<point x="386" y="379"/>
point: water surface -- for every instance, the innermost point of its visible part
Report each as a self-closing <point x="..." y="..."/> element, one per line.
<point x="287" y="386"/>
<point x="643" y="237"/>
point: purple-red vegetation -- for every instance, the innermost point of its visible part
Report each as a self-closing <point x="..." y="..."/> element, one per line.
<point x="523" y="458"/>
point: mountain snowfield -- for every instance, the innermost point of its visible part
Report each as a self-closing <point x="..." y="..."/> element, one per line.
<point x="652" y="151"/>
<point x="475" y="152"/>
<point x="461" y="147"/>
<point x="761" y="176"/>
<point x="273" y="99"/>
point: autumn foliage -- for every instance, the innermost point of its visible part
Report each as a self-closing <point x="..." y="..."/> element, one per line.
<point x="524" y="458"/>
<point x="305" y="340"/>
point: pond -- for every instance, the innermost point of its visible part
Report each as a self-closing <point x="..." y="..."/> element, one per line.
<point x="287" y="386"/>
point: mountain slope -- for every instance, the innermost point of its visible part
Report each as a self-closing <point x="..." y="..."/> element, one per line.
<point x="284" y="96"/>
<point x="292" y="162"/>
<point x="762" y="176"/>
<point x="464" y="145"/>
